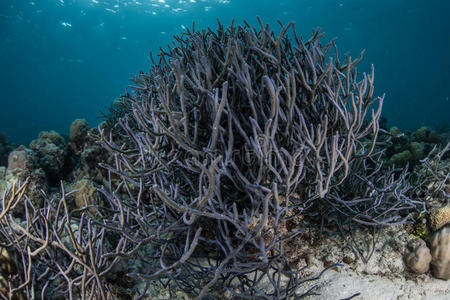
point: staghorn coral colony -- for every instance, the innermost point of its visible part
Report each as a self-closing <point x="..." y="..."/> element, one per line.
<point x="237" y="148"/>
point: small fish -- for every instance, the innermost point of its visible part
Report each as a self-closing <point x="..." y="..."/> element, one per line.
<point x="111" y="10"/>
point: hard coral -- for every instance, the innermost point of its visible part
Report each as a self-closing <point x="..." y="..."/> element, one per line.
<point x="79" y="130"/>
<point x="22" y="165"/>
<point x="425" y="134"/>
<point x="21" y="158"/>
<point x="417" y="256"/>
<point x="86" y="195"/>
<point x="439" y="217"/>
<point x="51" y="152"/>
<point x="401" y="159"/>
<point x="440" y="251"/>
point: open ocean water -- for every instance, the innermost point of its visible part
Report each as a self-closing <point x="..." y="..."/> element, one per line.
<point x="67" y="59"/>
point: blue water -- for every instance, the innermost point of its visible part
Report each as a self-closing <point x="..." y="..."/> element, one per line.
<point x="67" y="59"/>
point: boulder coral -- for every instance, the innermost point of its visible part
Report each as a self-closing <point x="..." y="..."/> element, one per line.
<point x="440" y="251"/>
<point x="418" y="256"/>
<point x="21" y="158"/>
<point x="439" y="217"/>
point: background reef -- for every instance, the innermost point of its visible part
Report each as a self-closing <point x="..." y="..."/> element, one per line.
<point x="245" y="163"/>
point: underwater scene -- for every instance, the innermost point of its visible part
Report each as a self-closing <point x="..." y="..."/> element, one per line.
<point x="224" y="149"/>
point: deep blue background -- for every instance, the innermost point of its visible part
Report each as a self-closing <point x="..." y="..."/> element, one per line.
<point x="51" y="74"/>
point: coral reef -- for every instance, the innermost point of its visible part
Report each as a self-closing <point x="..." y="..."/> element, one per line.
<point x="401" y="158"/>
<point x="67" y="256"/>
<point x="410" y="148"/>
<point x="226" y="172"/>
<point x="425" y="134"/>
